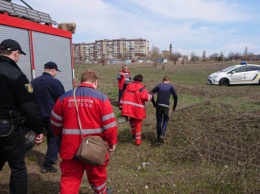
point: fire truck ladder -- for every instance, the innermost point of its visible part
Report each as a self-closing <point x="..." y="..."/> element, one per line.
<point x="25" y="13"/>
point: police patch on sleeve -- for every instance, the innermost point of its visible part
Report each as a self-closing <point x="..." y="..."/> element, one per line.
<point x="29" y="88"/>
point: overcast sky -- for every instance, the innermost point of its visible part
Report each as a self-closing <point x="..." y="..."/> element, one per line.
<point x="189" y="25"/>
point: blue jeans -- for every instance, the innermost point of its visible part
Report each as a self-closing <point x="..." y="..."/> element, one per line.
<point x="162" y="116"/>
<point x="52" y="147"/>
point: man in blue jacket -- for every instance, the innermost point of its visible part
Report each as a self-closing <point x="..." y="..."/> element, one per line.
<point x="47" y="90"/>
<point x="164" y="91"/>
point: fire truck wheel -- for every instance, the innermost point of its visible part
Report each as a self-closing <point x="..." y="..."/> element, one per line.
<point x="30" y="139"/>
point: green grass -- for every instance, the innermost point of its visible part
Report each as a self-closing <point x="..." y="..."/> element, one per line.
<point x="212" y="142"/>
<point x="211" y="145"/>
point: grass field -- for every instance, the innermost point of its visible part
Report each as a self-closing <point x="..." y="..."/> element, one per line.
<point x="212" y="144"/>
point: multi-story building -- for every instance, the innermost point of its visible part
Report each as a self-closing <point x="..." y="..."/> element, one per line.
<point x="115" y="49"/>
<point x="84" y="51"/>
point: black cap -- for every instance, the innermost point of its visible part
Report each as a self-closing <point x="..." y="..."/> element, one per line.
<point x="51" y="65"/>
<point x="11" y="45"/>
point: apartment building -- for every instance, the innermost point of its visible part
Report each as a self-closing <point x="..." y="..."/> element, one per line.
<point x="84" y="51"/>
<point x="115" y="49"/>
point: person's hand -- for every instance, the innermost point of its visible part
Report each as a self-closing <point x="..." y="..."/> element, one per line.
<point x="112" y="148"/>
<point x="173" y="109"/>
<point x="38" y="138"/>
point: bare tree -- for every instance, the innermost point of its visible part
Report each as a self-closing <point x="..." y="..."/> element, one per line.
<point x="231" y="56"/>
<point x="250" y="56"/>
<point x="238" y="56"/>
<point x="184" y="57"/>
<point x="214" y="56"/>
<point x="193" y="57"/>
<point x="245" y="54"/>
<point x="174" y="57"/>
<point x="204" y="55"/>
<point x="221" y="57"/>
<point x="155" y="53"/>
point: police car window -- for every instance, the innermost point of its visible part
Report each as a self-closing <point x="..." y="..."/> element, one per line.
<point x="228" y="68"/>
<point x="240" y="69"/>
<point x="252" y="68"/>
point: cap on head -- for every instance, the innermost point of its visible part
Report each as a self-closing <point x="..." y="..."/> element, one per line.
<point x="11" y="45"/>
<point x="51" y="65"/>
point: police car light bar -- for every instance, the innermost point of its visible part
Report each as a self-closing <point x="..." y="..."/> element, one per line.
<point x="243" y="63"/>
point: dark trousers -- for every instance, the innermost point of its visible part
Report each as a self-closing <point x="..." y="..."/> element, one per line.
<point x="120" y="93"/>
<point x="52" y="147"/>
<point x="12" y="150"/>
<point x="162" y="116"/>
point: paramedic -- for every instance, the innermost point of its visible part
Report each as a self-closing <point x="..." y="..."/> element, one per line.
<point x="97" y="118"/>
<point x="123" y="78"/>
<point x="133" y="106"/>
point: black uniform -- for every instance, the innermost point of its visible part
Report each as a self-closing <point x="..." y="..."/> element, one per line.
<point x="16" y="102"/>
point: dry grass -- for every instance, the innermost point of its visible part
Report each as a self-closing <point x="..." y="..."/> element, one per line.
<point x="212" y="143"/>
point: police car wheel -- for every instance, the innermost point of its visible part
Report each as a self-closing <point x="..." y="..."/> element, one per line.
<point x="30" y="139"/>
<point x="224" y="82"/>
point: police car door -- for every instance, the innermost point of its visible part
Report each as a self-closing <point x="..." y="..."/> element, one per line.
<point x="238" y="75"/>
<point x="251" y="74"/>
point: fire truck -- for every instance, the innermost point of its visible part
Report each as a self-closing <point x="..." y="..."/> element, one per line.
<point x="41" y="41"/>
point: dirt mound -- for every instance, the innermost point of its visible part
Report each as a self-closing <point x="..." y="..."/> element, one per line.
<point x="217" y="132"/>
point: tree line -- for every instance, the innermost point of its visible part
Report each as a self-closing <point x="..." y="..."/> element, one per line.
<point x="177" y="56"/>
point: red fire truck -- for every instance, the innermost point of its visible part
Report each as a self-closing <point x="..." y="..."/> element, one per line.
<point x="40" y="40"/>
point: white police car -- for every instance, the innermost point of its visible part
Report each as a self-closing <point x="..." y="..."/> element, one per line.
<point x="242" y="73"/>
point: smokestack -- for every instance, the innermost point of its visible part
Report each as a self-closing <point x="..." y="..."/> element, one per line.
<point x="170" y="48"/>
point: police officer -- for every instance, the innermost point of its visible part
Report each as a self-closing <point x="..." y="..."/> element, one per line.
<point x="16" y="102"/>
<point x="47" y="89"/>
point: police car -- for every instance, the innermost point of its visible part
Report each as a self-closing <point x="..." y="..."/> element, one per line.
<point x="242" y="73"/>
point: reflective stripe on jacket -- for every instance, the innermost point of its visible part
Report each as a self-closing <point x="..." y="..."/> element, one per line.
<point x="133" y="100"/>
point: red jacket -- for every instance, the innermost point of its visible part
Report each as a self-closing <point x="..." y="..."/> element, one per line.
<point x="96" y="115"/>
<point x="133" y="100"/>
<point x="123" y="77"/>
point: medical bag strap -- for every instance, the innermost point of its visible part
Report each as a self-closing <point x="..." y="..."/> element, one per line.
<point x="77" y="109"/>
